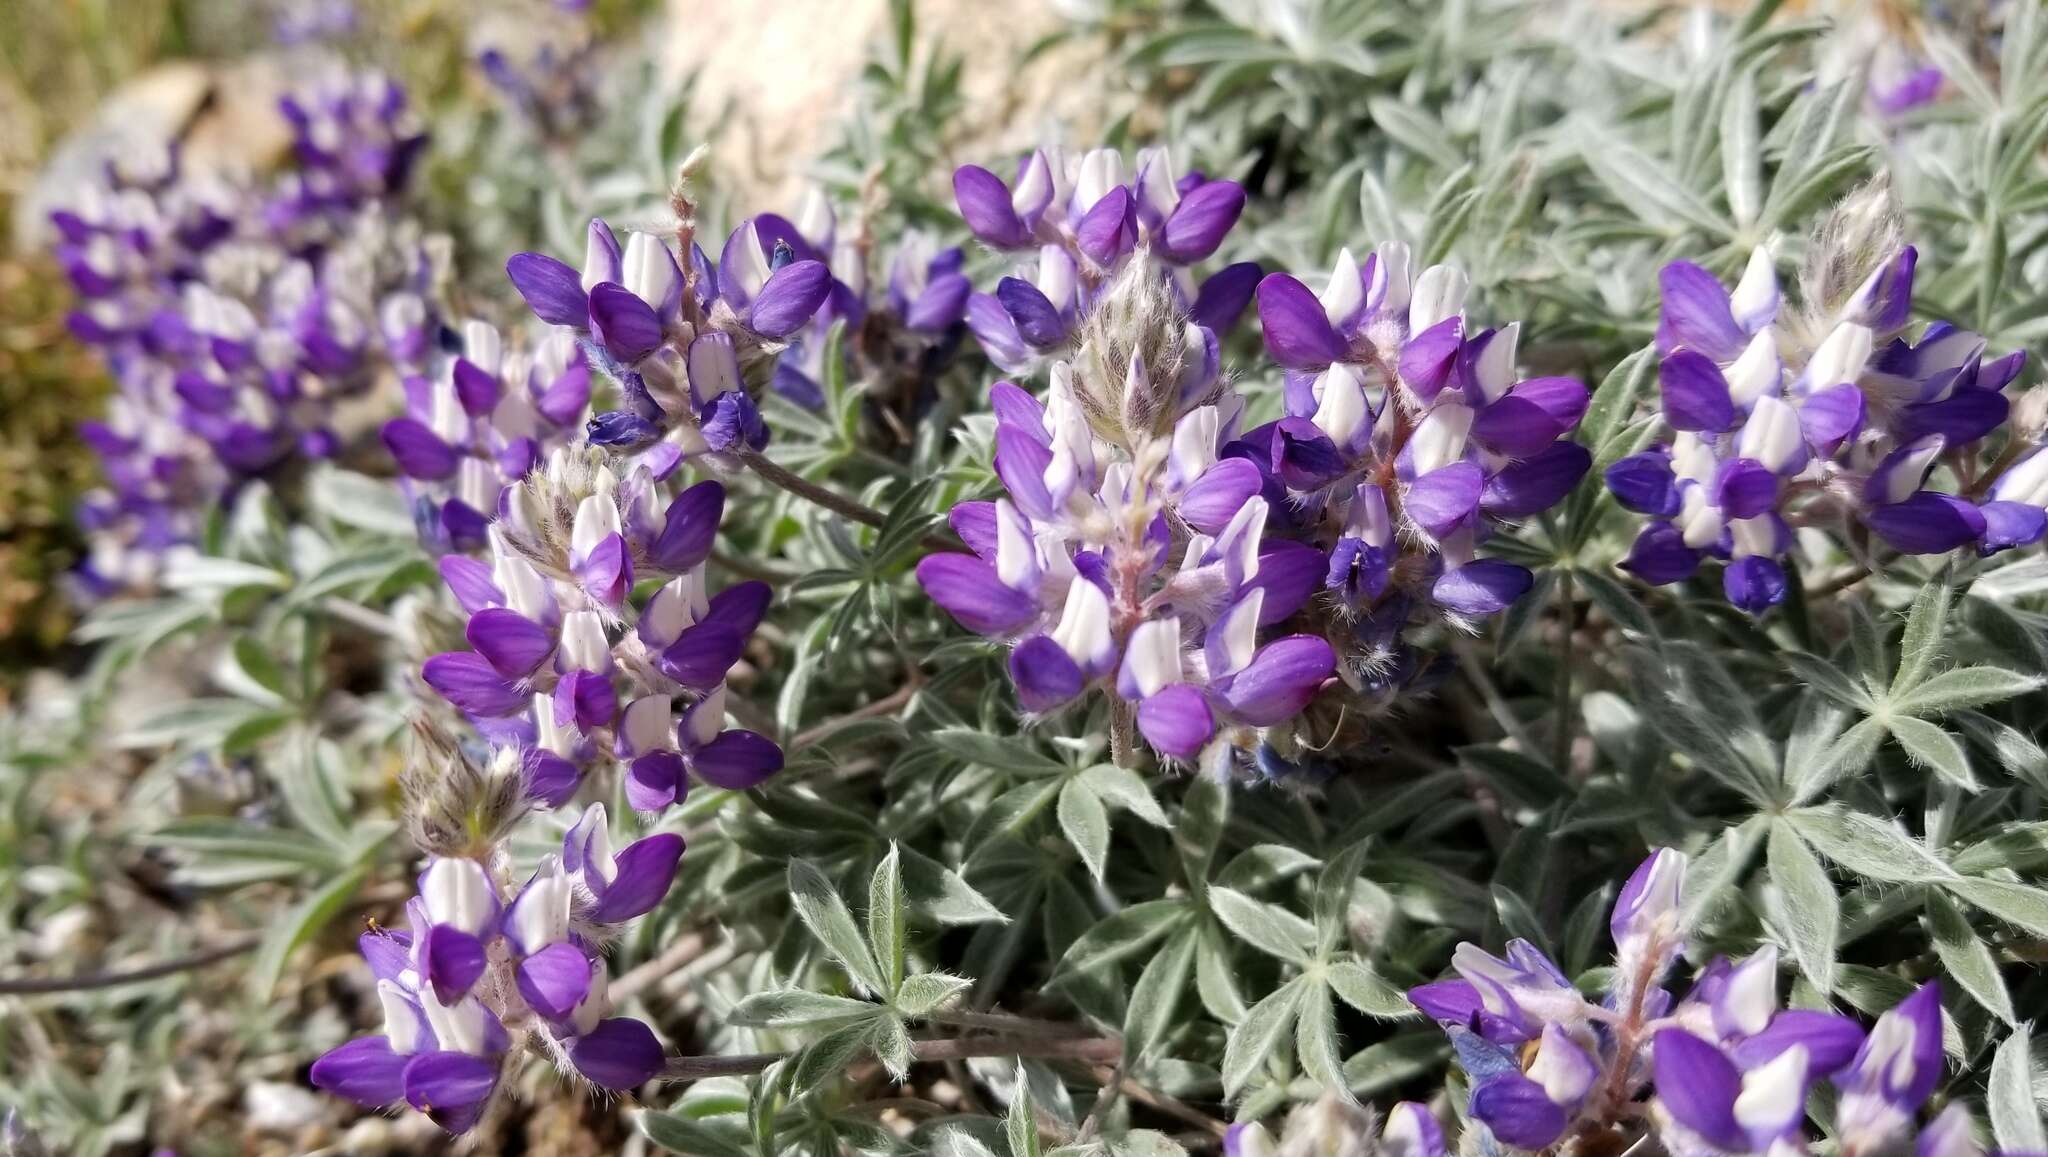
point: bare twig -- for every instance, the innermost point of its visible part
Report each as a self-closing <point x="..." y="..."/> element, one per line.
<point x="684" y="950"/>
<point x="85" y="981"/>
<point x="811" y="492"/>
<point x="886" y="705"/>
<point x="1091" y="1049"/>
<point x="1174" y="1107"/>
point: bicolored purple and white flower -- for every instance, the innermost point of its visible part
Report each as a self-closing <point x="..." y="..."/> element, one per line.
<point x="1405" y="439"/>
<point x="356" y="140"/>
<point x="483" y="423"/>
<point x="1769" y="434"/>
<point x="568" y="672"/>
<point x="1146" y="575"/>
<point x="1087" y="222"/>
<point x="476" y="967"/>
<point x="690" y="349"/>
<point x="1892" y="1075"/>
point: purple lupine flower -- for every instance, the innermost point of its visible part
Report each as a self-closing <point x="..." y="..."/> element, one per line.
<point x="1089" y="227"/>
<point x="1080" y="567"/>
<point x="356" y="140"/>
<point x="1767" y="436"/>
<point x="1893" y="1073"/>
<point x="1404" y="441"/>
<point x="675" y="335"/>
<point x="565" y="676"/>
<point x="476" y="961"/>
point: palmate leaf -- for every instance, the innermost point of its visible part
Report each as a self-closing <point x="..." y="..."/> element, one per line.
<point x="818" y="905"/>
<point x="1803" y="905"/>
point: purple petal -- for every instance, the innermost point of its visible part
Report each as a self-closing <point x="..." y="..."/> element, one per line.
<point x="1439" y="500"/>
<point x="1832" y="416"/>
<point x="1223" y="295"/>
<point x="969" y="591"/>
<point x="1695" y="394"/>
<point x="1280" y="680"/>
<point x="1696" y="314"/>
<point x="627" y="327"/>
<point x="1481" y="587"/>
<point x="1014" y="406"/>
<point x="1915" y="1030"/>
<point x="1698" y="1086"/>
<point x="1021" y="463"/>
<point x="1110" y="227"/>
<point x="1744" y="488"/>
<point x="790" y="298"/>
<point x="619" y="1054"/>
<point x="1220" y="493"/>
<point x="2010" y="524"/>
<point x="513" y="644"/>
<point x="389" y="954"/>
<point x="1756" y="584"/>
<point x="606" y="574"/>
<point x="736" y="760"/>
<point x="741" y="606"/>
<point x="586" y="699"/>
<point x="1518" y="1112"/>
<point x="1964" y="416"/>
<point x="468" y="680"/>
<point x="689" y="528"/>
<point x="1429" y="357"/>
<point x="655" y="781"/>
<point x="646" y="868"/>
<point x="941" y="306"/>
<point x="1530" y="487"/>
<point x="552" y="289"/>
<point x="567" y="396"/>
<point x="985" y="205"/>
<point x="477" y="390"/>
<point x="469" y="580"/>
<point x="975" y="523"/>
<point x="448" y="1081"/>
<point x="1289" y="573"/>
<point x="419" y="452"/>
<point x="555" y="980"/>
<point x="1297" y="331"/>
<point x="1201" y="220"/>
<point x="1927" y="523"/>
<point x="1036" y="318"/>
<point x="1045" y="675"/>
<point x="548" y="778"/>
<point x="998" y="335"/>
<point x="1659" y="555"/>
<point x="702" y="654"/>
<point x="1831" y="1041"/>
<point x="1176" y="721"/>
<point x="1884" y="303"/>
<point x="1645" y="483"/>
<point x="365" y="1071"/>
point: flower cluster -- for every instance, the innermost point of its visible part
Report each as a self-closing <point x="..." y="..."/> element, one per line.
<point x="233" y="317"/>
<point x="1406" y="439"/>
<point x="1129" y="554"/>
<point x="483" y="963"/>
<point x="1827" y="417"/>
<point x="545" y="63"/>
<point x="483" y="423"/>
<point x="1088" y="226"/>
<point x="910" y="324"/>
<point x="356" y="140"/>
<point x="1729" y="1067"/>
<point x="568" y="675"/>
<point x="691" y="350"/>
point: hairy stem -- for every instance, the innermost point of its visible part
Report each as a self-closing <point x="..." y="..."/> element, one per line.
<point x="811" y="492"/>
<point x="1092" y="1049"/>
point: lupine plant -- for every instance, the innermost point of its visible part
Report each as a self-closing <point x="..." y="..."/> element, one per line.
<point x="1433" y="578"/>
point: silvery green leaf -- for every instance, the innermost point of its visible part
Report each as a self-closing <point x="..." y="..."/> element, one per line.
<point x="890" y="1039"/>
<point x="1004" y="753"/>
<point x="678" y="1133"/>
<point x="1216" y="976"/>
<point x="2021" y="905"/>
<point x="1263" y="864"/>
<point x="1204" y="810"/>
<point x="1123" y="934"/>
<point x="365" y="503"/>
<point x="1965" y="957"/>
<point x="1826" y="677"/>
<point x="298" y="926"/>
<point x="1086" y="824"/>
<point x="796" y="1008"/>
<point x="1932" y="748"/>
<point x="1742" y="150"/>
<point x="2015" y="1115"/>
<point x="1126" y="789"/>
<point x="1616" y="601"/>
<point x="828" y="1057"/>
<point x="1867" y="846"/>
<point x="1921" y="645"/>
<point x="1645" y="186"/>
<point x="1802" y="899"/>
<point x="211" y="573"/>
<point x="1964" y="687"/>
<point x="1020" y="1125"/>
<point x="1333" y="895"/>
<point x="886" y="911"/>
<point x="1267" y="927"/>
<point x="194" y="723"/>
<point x="1157" y="995"/>
<point x="927" y="992"/>
<point x="818" y="905"/>
<point x="1259" y="1034"/>
<point x="1361" y="988"/>
<point x="1315" y="1040"/>
<point x="1414" y="130"/>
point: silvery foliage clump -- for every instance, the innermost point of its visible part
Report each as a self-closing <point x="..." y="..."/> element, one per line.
<point x="986" y="702"/>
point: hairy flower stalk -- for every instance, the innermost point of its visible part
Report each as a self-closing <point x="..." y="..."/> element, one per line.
<point x="1130" y="557"/>
<point x="1727" y="1066"/>
<point x="1829" y="419"/>
<point x="234" y="317"/>
<point x="1091" y="228"/>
